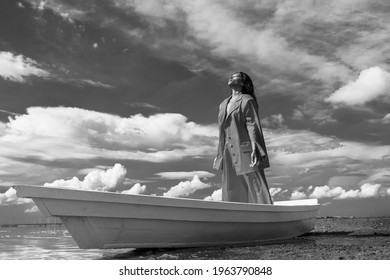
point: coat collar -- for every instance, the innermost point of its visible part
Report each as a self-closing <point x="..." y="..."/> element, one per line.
<point x="235" y="105"/>
<point x="224" y="104"/>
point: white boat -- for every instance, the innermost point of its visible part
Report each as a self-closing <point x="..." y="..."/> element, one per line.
<point x="113" y="220"/>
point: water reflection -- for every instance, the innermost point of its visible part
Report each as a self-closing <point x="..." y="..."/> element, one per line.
<point x="31" y="243"/>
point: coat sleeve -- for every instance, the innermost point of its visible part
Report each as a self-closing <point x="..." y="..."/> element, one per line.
<point x="218" y="160"/>
<point x="253" y="125"/>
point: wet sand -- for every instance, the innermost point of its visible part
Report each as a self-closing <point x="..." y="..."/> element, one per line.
<point x="332" y="239"/>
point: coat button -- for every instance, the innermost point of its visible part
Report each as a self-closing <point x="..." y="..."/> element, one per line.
<point x="231" y="146"/>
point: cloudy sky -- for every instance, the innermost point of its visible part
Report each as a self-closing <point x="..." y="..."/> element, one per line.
<point x="122" y="95"/>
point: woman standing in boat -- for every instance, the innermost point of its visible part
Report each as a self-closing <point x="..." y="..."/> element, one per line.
<point x="242" y="155"/>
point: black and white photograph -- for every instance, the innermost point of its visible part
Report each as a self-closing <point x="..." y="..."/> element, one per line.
<point x="195" y="130"/>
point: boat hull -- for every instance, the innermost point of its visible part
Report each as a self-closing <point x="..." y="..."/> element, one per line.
<point x="111" y="220"/>
<point x="134" y="233"/>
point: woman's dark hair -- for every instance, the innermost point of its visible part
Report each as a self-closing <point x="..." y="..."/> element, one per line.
<point x="247" y="87"/>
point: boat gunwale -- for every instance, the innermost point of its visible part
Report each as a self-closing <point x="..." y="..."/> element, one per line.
<point x="29" y="191"/>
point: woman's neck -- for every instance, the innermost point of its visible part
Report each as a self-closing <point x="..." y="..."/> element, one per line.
<point x="236" y="92"/>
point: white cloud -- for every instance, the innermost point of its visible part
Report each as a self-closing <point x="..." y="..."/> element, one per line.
<point x="61" y="8"/>
<point x="273" y="121"/>
<point x="386" y="119"/>
<point x="95" y="45"/>
<point x="66" y="17"/>
<point x="274" y="191"/>
<point x="184" y="174"/>
<point x="155" y="131"/>
<point x="33" y="209"/>
<point x="371" y="84"/>
<point x="326" y="203"/>
<point x="369" y="190"/>
<point x="136" y="189"/>
<point x="186" y="188"/>
<point x="299" y="141"/>
<point x="366" y="190"/>
<point x="101" y="180"/>
<point x="206" y="25"/>
<point x="17" y="67"/>
<point x="3" y="128"/>
<point x="215" y="23"/>
<point x="298" y="115"/>
<point x="370" y="48"/>
<point x="10" y="198"/>
<point x="281" y="37"/>
<point x="378" y="175"/>
<point x="88" y="82"/>
<point x="298" y="195"/>
<point x="88" y="134"/>
<point x="346" y="180"/>
<point x="334" y="192"/>
<point x="162" y="9"/>
<point x="144" y="105"/>
<point x="306" y="149"/>
<point x="42" y="4"/>
<point x="215" y="196"/>
<point x="20" y="5"/>
<point x="85" y="171"/>
<point x="17" y="171"/>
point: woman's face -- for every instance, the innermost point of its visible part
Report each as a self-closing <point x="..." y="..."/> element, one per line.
<point x="235" y="80"/>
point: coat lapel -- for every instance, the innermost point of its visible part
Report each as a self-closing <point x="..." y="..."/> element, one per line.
<point x="234" y="106"/>
<point x="222" y="113"/>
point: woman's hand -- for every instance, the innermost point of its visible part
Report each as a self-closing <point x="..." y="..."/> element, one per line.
<point x="254" y="159"/>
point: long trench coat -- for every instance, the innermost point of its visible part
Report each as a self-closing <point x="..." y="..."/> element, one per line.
<point x="237" y="130"/>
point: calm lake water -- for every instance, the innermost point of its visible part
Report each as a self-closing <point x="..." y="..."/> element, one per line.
<point x="332" y="238"/>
